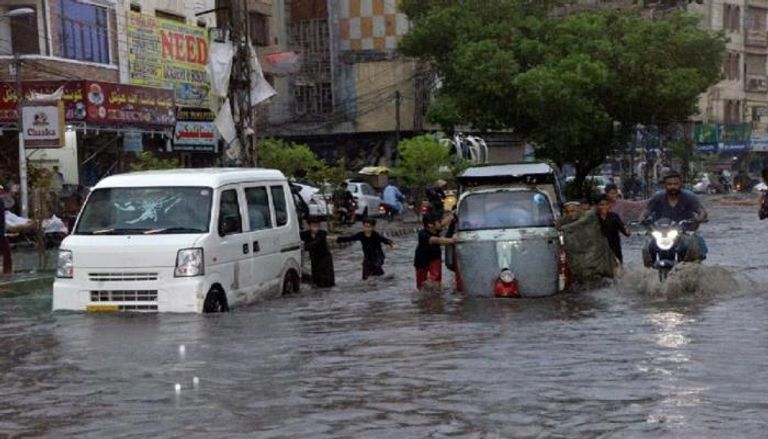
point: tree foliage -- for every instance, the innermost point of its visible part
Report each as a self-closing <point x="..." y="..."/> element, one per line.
<point x="572" y="84"/>
<point x="148" y="161"/>
<point x="423" y="160"/>
<point x="294" y="160"/>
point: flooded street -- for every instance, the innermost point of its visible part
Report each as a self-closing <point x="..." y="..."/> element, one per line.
<point x="379" y="360"/>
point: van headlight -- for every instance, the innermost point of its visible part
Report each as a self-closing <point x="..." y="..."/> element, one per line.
<point x="189" y="263"/>
<point x="64" y="265"/>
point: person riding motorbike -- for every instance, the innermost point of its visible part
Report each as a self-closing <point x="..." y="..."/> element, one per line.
<point x="344" y="204"/>
<point x="393" y="198"/>
<point x="676" y="204"/>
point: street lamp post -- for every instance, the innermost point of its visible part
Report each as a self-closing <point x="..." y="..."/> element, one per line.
<point x="23" y="183"/>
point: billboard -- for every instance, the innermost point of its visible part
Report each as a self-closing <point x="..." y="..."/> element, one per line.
<point x="195" y="131"/>
<point x="168" y="54"/>
<point x="72" y="98"/>
<point x="119" y="104"/>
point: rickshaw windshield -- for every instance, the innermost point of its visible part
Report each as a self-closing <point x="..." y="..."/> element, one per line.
<point x="505" y="210"/>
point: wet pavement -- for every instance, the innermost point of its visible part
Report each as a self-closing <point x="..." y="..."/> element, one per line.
<point x="375" y="359"/>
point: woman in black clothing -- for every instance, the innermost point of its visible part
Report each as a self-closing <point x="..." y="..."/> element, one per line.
<point x="611" y="225"/>
<point x="373" y="254"/>
<point x="315" y="242"/>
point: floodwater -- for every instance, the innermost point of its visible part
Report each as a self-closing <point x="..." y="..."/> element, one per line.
<point x="379" y="360"/>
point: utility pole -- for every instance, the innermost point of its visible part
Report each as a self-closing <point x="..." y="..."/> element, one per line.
<point x="398" y="101"/>
<point x="23" y="185"/>
<point x="232" y="17"/>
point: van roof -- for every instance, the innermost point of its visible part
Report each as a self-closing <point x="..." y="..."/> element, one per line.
<point x="208" y="177"/>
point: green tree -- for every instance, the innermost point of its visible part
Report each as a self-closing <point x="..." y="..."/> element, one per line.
<point x="148" y="161"/>
<point x="294" y="160"/>
<point x="423" y="160"/>
<point x="575" y="85"/>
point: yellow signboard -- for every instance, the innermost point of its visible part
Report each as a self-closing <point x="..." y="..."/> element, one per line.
<point x="168" y="54"/>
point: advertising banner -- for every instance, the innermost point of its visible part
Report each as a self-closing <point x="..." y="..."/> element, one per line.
<point x="73" y="98"/>
<point x="43" y="124"/>
<point x="705" y="133"/>
<point x="169" y="54"/>
<point x="759" y="143"/>
<point x="195" y="130"/>
<point x="128" y="104"/>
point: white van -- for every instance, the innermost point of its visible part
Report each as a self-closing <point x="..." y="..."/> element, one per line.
<point x="187" y="240"/>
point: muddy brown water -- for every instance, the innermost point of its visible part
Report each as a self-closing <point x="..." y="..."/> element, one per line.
<point x="375" y="359"/>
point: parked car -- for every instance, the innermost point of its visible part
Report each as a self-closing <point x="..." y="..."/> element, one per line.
<point x="368" y="201"/>
<point x="760" y="187"/>
<point x="320" y="205"/>
<point x="201" y="240"/>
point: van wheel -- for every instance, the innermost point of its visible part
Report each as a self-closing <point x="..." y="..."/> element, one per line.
<point x="290" y="283"/>
<point x="215" y="301"/>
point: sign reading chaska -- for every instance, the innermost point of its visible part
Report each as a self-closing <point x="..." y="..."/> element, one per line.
<point x="169" y="54"/>
<point x="43" y="125"/>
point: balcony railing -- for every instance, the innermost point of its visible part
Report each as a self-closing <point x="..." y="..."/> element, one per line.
<point x="756" y="83"/>
<point x="757" y="38"/>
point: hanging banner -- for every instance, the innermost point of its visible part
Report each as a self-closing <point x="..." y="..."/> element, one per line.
<point x="168" y="54"/>
<point x="129" y="104"/>
<point x="73" y="98"/>
<point x="43" y="124"/>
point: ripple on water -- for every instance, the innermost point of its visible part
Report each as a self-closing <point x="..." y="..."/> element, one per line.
<point x="685" y="280"/>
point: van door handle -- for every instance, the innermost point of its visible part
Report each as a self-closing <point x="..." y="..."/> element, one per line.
<point x="256" y="247"/>
<point x="245" y="249"/>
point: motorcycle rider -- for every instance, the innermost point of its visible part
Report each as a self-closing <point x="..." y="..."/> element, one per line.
<point x="675" y="204"/>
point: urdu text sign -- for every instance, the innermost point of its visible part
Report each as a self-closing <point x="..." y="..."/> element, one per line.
<point x="43" y="125"/>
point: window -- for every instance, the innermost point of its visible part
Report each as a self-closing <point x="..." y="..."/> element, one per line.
<point x="230" y="220"/>
<point x="732" y="110"/>
<point x="755" y="20"/>
<point x="505" y="209"/>
<point x="368" y="190"/>
<point x="84" y="32"/>
<point x="146" y="210"/>
<point x="258" y="208"/>
<point x="170" y="16"/>
<point x="731" y="17"/>
<point x="24" y="36"/>
<point x="281" y="207"/>
<point x="755" y="64"/>
<point x="313" y="99"/>
<point x="258" y="25"/>
<point x="732" y="66"/>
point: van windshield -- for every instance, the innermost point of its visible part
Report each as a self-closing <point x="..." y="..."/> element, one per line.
<point x="505" y="210"/>
<point x="146" y="210"/>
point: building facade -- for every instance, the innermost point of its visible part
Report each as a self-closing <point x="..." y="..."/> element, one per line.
<point x="352" y="95"/>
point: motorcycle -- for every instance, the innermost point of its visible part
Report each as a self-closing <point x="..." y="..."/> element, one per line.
<point x="668" y="237"/>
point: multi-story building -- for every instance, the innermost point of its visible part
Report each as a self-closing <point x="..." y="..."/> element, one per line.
<point x="127" y="68"/>
<point x="353" y="94"/>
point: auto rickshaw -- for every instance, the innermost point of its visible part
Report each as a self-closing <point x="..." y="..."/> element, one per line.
<point x="506" y="241"/>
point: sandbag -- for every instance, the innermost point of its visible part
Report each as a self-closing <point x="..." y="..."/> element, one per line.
<point x="589" y="256"/>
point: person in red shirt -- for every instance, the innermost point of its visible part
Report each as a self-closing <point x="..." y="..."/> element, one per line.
<point x="428" y="259"/>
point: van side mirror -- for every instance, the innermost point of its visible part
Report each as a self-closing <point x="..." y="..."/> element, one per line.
<point x="229" y="225"/>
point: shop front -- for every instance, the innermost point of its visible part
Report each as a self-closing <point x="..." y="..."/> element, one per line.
<point x="98" y="116"/>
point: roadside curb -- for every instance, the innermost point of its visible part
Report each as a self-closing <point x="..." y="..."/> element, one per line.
<point x="27" y="280"/>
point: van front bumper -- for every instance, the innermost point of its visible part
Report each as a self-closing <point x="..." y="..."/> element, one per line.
<point x="181" y="295"/>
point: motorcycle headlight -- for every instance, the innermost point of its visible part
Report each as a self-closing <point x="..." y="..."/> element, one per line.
<point x="65" y="265"/>
<point x="189" y="263"/>
<point x="672" y="234"/>
<point x="507" y="276"/>
<point x="657" y="235"/>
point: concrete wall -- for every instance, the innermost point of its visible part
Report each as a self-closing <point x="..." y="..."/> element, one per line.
<point x="375" y="87"/>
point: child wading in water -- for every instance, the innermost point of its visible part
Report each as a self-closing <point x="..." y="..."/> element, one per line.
<point x="611" y="225"/>
<point x="428" y="259"/>
<point x="315" y="242"/>
<point x="373" y="254"/>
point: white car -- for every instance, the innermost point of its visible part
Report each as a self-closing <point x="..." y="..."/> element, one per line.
<point x="368" y="201"/>
<point x="760" y="187"/>
<point x="320" y="205"/>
